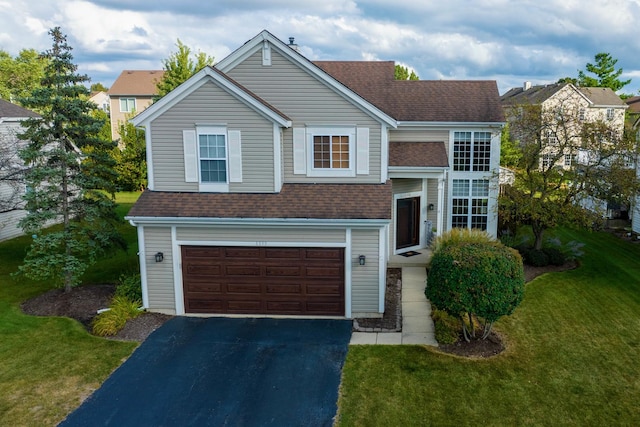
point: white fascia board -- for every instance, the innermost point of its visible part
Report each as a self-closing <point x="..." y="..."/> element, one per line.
<point x="193" y="83"/>
<point x="242" y="53"/>
<point x="449" y="125"/>
<point x="258" y="222"/>
<point x="416" y="172"/>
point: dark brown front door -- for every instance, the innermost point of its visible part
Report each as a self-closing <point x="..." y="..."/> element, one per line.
<point x="263" y="280"/>
<point x="408" y="222"/>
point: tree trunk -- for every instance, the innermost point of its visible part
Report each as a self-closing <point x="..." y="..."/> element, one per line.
<point x="538" y="234"/>
<point x="68" y="274"/>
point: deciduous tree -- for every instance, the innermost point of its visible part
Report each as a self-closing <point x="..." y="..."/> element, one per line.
<point x="70" y="179"/>
<point x="403" y="73"/>
<point x="179" y="66"/>
<point x="19" y="76"/>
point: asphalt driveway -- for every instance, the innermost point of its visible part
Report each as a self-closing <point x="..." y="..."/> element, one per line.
<point x="225" y="372"/>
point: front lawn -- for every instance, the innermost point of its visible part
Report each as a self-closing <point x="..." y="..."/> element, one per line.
<point x="49" y="364"/>
<point x="572" y="358"/>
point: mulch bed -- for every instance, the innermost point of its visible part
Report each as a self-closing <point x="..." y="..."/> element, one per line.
<point x="83" y="303"/>
<point x="391" y="321"/>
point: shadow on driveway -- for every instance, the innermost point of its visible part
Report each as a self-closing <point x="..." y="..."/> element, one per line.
<point x="222" y="371"/>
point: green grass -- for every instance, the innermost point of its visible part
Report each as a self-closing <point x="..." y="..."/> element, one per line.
<point x="572" y="358"/>
<point x="48" y="365"/>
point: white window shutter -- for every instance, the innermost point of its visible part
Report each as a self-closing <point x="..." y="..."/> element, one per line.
<point x="190" y="155"/>
<point x="362" y="148"/>
<point x="235" y="156"/>
<point x="299" y="152"/>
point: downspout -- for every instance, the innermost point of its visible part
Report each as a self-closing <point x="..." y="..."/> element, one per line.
<point x="143" y="263"/>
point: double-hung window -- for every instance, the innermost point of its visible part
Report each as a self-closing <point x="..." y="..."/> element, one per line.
<point x="127" y="105"/>
<point x="331" y="151"/>
<point x="610" y="113"/>
<point x="471" y="151"/>
<point x="213" y="158"/>
<point x="470" y="204"/>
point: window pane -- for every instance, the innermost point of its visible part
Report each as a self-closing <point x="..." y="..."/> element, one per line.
<point x="212" y="146"/>
<point x="479" y="222"/>
<point x="321" y="152"/>
<point x="479" y="206"/>
<point x="480" y="188"/>
<point x="462" y="151"/>
<point x="482" y="151"/>
<point x="460" y="188"/>
<point x="460" y="207"/>
<point x="213" y="171"/>
<point x="340" y="152"/>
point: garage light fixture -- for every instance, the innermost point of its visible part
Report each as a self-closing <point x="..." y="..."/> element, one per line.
<point x="159" y="257"/>
<point x="362" y="259"/>
<point x="431" y="206"/>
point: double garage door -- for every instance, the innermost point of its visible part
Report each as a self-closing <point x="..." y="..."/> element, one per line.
<point x="263" y="280"/>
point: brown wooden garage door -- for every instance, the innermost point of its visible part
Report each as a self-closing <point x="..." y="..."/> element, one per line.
<point x="263" y="280"/>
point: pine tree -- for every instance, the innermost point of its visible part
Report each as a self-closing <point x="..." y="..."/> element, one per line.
<point x="70" y="176"/>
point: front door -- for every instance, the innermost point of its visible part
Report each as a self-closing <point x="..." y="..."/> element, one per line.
<point x="407" y="222"/>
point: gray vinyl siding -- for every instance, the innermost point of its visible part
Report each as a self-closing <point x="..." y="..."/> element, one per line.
<point x="255" y="234"/>
<point x="9" y="222"/>
<point x="9" y="145"/>
<point x="210" y="105"/>
<point x="365" y="279"/>
<point x="402" y="185"/>
<point x="159" y="274"/>
<point x="307" y="101"/>
<point x="432" y="197"/>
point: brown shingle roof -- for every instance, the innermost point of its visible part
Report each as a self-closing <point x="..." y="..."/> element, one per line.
<point x="634" y="104"/>
<point x="538" y="94"/>
<point x="317" y="201"/>
<point x="418" y="154"/>
<point x="136" y="82"/>
<point x="418" y="100"/>
<point x="602" y="96"/>
<point x="8" y="109"/>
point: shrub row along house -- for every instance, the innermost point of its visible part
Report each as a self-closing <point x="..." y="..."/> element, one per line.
<point x="282" y="186"/>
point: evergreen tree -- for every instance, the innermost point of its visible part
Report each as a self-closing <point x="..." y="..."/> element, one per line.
<point x="70" y="176"/>
<point x="402" y="73"/>
<point x="131" y="159"/>
<point x="179" y="67"/>
<point x="605" y="74"/>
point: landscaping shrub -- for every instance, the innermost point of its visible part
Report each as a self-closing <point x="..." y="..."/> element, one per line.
<point x="536" y="258"/>
<point x="554" y="255"/>
<point x="457" y="236"/>
<point x="109" y="322"/>
<point x="129" y="286"/>
<point x="475" y="276"/>
<point x="447" y="327"/>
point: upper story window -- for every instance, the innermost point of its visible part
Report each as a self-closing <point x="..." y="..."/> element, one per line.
<point x="471" y="151"/>
<point x="581" y="114"/>
<point x="331" y="151"/>
<point x="609" y="113"/>
<point x="212" y="148"/>
<point x="127" y="105"/>
<point x="470" y="204"/>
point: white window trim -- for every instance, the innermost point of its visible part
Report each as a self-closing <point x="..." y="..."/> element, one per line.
<point x="331" y="130"/>
<point x="129" y="98"/>
<point x="470" y="197"/>
<point x="215" y="187"/>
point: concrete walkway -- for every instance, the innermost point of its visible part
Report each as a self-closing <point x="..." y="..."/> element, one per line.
<point x="417" y="326"/>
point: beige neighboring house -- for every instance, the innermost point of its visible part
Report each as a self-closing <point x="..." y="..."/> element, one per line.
<point x="132" y="92"/>
<point x="282" y="186"/>
<point x="11" y="190"/>
<point x="101" y="99"/>
<point x="634" y="122"/>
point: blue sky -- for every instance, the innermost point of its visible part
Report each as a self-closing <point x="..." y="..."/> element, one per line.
<point x="510" y="41"/>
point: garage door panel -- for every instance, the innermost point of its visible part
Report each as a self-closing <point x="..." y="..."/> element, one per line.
<point x="242" y="270"/>
<point x="244" y="288"/>
<point x="261" y="280"/>
<point x="283" y="271"/>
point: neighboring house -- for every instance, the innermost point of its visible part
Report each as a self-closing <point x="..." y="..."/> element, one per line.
<point x="131" y="93"/>
<point x="11" y="190"/>
<point x="280" y="186"/>
<point x="101" y="99"/>
<point x="634" y="122"/>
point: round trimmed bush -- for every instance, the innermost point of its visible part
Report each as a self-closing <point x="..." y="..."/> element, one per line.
<point x="485" y="279"/>
<point x="536" y="258"/>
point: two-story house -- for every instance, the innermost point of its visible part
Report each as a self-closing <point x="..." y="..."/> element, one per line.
<point x="12" y="186"/>
<point x="131" y="92"/>
<point x="280" y="186"/>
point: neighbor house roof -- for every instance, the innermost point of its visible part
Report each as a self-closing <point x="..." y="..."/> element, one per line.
<point x="599" y="96"/>
<point x="418" y="154"/>
<point x="418" y="100"/>
<point x="634" y="104"/>
<point x="295" y="201"/>
<point x="7" y="109"/>
<point x="136" y="82"/>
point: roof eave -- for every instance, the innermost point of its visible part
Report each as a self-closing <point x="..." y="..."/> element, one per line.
<point x="301" y="222"/>
<point x="450" y="124"/>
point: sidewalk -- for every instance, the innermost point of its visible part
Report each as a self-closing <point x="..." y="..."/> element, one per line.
<point x="417" y="326"/>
